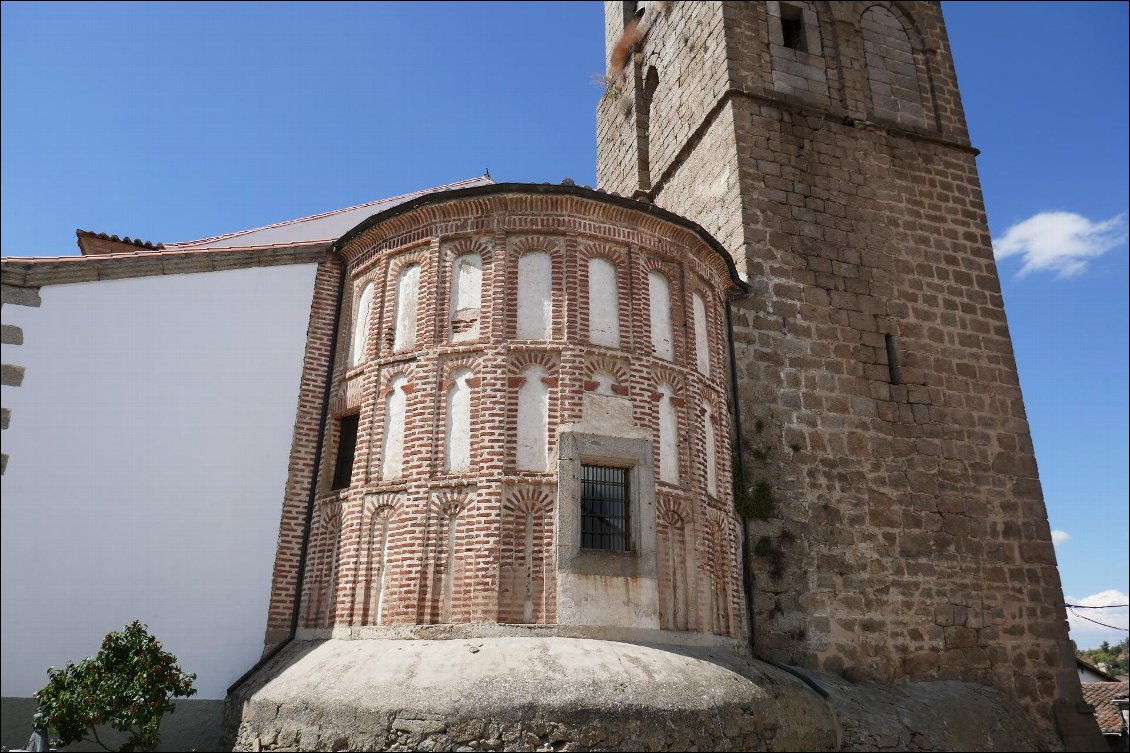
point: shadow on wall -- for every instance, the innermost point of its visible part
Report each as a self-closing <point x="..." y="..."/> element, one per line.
<point x="194" y="725"/>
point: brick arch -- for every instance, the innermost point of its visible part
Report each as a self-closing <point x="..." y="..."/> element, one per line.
<point x="673" y="511"/>
<point x="462" y="246"/>
<point x="450" y="503"/>
<point x="520" y="360"/>
<point x="615" y="254"/>
<point x="715" y="311"/>
<point x="321" y="579"/>
<point x="379" y="516"/>
<point x="517" y="247"/>
<point x="672" y="271"/>
<point x="661" y="374"/>
<point x="719" y="554"/>
<point x="452" y="364"/>
<point x="420" y="256"/>
<point x="526" y="575"/>
<point x="674" y="549"/>
<point x="452" y="251"/>
<point x="527" y="500"/>
<point x="446" y="579"/>
<point x="551" y="244"/>
<point x="614" y="367"/>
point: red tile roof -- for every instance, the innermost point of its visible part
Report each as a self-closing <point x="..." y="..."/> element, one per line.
<point x="1101" y="695"/>
<point x="104" y="237"/>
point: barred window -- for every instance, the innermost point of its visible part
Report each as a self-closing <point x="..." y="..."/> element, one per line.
<point x="604" y="508"/>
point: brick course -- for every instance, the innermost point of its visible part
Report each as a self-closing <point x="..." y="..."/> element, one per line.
<point x="477" y="546"/>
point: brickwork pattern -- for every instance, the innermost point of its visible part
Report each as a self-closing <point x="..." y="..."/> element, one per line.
<point x="477" y="546"/>
<point x="909" y="538"/>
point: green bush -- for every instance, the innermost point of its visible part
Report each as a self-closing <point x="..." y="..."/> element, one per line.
<point x="129" y="685"/>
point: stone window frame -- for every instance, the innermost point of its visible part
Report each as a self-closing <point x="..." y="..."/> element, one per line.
<point x="814" y="52"/>
<point x="580" y="448"/>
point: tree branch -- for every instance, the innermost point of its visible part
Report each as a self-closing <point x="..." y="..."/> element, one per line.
<point x="98" y="740"/>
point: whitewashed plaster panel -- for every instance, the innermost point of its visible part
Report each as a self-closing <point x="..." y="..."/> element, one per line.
<point x="659" y="293"/>
<point x="392" y="460"/>
<point x="535" y="296"/>
<point x="701" y="344"/>
<point x="711" y="452"/>
<point x="407" y="303"/>
<point x="148" y="450"/>
<point x="604" y="306"/>
<point x="668" y="436"/>
<point x="457" y="456"/>
<point x="533" y="421"/>
<point x="361" y="325"/>
<point x="466" y="297"/>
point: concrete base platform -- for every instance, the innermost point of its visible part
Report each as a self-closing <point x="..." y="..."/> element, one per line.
<point x="553" y="693"/>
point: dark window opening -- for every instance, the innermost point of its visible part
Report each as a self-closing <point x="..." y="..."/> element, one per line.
<point x="346" y="446"/>
<point x="604" y="508"/>
<point x="893" y="360"/>
<point x="792" y="28"/>
<point x="630" y="11"/>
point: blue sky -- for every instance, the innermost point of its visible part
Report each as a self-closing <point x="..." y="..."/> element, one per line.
<point x="177" y="121"/>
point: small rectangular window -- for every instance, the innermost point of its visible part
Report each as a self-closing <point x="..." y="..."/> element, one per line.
<point x="604" y="508"/>
<point x="792" y="28"/>
<point x="893" y="360"/>
<point x="346" y="446"/>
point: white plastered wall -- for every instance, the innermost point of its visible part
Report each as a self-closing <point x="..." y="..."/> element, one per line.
<point x="149" y="445"/>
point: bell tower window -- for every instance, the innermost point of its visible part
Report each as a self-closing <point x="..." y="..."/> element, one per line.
<point x="792" y="28"/>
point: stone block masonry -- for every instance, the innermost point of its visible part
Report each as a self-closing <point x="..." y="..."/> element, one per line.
<point x="12" y="375"/>
<point x="908" y="538"/>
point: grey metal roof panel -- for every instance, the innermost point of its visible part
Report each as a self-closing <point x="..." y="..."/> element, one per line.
<point x="325" y="227"/>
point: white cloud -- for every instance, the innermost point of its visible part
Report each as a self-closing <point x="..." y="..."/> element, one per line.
<point x="1089" y="635"/>
<point x="1061" y="242"/>
<point x="1058" y="537"/>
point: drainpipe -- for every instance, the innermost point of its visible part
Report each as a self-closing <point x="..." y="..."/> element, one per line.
<point x="318" y="447"/>
<point x="747" y="576"/>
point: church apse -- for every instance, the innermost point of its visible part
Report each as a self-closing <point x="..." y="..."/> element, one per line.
<point x="541" y="437"/>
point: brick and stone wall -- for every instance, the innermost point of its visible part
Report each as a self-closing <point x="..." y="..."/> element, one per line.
<point x="908" y="537"/>
<point x="460" y="526"/>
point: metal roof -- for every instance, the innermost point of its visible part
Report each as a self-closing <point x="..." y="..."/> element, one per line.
<point x="318" y="228"/>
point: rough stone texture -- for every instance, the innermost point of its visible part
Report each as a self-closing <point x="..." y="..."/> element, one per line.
<point x="10" y="334"/>
<point x="579" y="694"/>
<point x="11" y="375"/>
<point x="909" y="538"/>
<point x="17" y="295"/>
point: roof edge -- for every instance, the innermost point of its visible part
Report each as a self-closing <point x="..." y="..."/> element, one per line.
<point x="547" y="189"/>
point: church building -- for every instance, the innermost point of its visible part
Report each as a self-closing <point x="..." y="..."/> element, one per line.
<point x="728" y="452"/>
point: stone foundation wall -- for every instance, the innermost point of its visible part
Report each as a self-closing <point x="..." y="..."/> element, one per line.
<point x="578" y="694"/>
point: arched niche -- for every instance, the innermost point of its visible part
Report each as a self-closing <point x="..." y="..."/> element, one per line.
<point x="533" y="421"/>
<point x="662" y="332"/>
<point x="407" y="304"/>
<point x="535" y="296"/>
<point x="604" y="303"/>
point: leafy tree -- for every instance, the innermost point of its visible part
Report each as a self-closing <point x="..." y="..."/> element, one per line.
<point x="129" y="685"/>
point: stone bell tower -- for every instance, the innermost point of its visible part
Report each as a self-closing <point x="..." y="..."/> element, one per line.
<point x="897" y="525"/>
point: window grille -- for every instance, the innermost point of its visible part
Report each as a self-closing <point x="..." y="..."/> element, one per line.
<point x="604" y="508"/>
